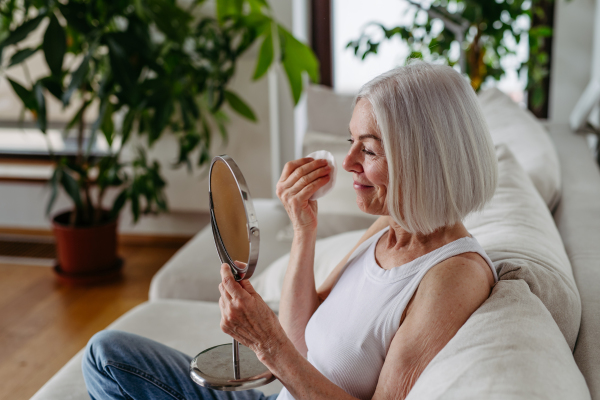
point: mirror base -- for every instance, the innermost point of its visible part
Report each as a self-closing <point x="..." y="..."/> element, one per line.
<point x="213" y="369"/>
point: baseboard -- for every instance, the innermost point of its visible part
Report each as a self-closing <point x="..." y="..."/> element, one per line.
<point x="125" y="239"/>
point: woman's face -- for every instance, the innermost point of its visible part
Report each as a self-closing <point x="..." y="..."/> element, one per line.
<point x="366" y="161"/>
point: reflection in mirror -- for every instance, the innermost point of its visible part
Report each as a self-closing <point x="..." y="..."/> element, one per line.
<point x="229" y="212"/>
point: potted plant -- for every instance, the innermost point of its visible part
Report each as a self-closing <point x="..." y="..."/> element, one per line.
<point x="149" y="67"/>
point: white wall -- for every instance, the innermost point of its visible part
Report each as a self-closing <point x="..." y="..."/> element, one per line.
<point x="571" y="56"/>
<point x="23" y="204"/>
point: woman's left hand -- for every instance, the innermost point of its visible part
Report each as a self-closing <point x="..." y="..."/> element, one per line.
<point x="246" y="317"/>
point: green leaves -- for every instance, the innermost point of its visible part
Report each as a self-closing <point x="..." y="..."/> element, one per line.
<point x="119" y="203"/>
<point x="21" y="56"/>
<point x="166" y="66"/>
<point x="77" y="79"/>
<point x="55" y="46"/>
<point x="38" y="90"/>
<point x="265" y="56"/>
<point x="26" y="96"/>
<point x="239" y="106"/>
<point x="146" y="191"/>
<point x="228" y="8"/>
<point x="169" y="18"/>
<point x="71" y="187"/>
<point x="53" y="189"/>
<point x="127" y="125"/>
<point x="107" y="126"/>
<point x="22" y="31"/>
<point x="297" y="58"/>
<point x="120" y="63"/>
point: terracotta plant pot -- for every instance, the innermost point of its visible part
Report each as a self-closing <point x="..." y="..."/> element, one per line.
<point x="85" y="254"/>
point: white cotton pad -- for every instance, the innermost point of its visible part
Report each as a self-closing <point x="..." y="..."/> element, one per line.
<point x="325" y="155"/>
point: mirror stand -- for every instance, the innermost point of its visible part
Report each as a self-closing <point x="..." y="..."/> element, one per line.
<point x="231" y="367"/>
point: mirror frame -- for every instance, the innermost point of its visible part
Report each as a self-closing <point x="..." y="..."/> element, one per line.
<point x="253" y="232"/>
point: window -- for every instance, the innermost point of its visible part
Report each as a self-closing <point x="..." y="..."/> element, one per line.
<point x="350" y="72"/>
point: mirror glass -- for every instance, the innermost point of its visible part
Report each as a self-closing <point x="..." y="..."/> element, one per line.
<point x="229" y="212"/>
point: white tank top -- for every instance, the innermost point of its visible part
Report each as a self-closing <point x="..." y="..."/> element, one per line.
<point x="349" y="335"/>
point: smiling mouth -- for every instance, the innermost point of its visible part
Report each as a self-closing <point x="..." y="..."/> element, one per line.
<point x="359" y="186"/>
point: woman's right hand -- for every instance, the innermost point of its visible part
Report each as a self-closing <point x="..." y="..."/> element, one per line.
<point x="299" y="180"/>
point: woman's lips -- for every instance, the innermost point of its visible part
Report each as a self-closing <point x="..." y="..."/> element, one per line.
<point x="358" y="186"/>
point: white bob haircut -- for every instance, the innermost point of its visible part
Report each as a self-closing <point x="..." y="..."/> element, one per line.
<point x="439" y="151"/>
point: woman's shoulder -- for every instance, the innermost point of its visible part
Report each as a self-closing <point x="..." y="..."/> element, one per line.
<point x="465" y="270"/>
<point x="464" y="280"/>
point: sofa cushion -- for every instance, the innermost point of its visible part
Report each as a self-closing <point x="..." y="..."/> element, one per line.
<point x="188" y="326"/>
<point x="527" y="139"/>
<point x="517" y="232"/>
<point x="193" y="272"/>
<point x="510" y="348"/>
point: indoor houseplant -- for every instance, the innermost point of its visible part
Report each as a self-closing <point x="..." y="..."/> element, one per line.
<point x="150" y="67"/>
<point x="479" y="29"/>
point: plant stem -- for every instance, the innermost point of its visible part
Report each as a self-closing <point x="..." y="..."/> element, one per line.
<point x="80" y="130"/>
<point x="79" y="161"/>
<point x="88" y="206"/>
<point x="26" y="72"/>
<point x="98" y="213"/>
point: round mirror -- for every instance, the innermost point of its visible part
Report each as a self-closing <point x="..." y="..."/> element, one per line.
<point x="233" y="220"/>
<point x="235" y="230"/>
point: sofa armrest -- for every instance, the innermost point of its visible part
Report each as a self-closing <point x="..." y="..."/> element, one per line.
<point x="578" y="220"/>
<point x="193" y="272"/>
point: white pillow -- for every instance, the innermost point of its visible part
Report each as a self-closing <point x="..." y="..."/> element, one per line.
<point x="527" y="139"/>
<point x="515" y="229"/>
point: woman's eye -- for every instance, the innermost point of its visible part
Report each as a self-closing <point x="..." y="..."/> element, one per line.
<point x="368" y="152"/>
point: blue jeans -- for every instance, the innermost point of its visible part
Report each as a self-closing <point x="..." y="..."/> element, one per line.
<point x="121" y="365"/>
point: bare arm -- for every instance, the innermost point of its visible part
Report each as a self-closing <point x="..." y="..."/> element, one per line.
<point x="298" y="295"/>
<point x="299" y="180"/>
<point x="447" y="296"/>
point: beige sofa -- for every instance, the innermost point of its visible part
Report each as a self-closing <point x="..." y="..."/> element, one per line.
<point x="536" y="337"/>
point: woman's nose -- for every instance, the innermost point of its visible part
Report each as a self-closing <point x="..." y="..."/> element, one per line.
<point x="351" y="162"/>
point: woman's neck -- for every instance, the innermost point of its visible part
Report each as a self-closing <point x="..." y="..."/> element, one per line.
<point x="399" y="239"/>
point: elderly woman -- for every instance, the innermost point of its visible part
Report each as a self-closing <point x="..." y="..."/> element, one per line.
<point x="422" y="158"/>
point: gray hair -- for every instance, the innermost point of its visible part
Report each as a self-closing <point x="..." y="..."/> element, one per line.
<point x="439" y="151"/>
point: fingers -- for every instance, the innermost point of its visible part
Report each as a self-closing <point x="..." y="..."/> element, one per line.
<point x="301" y="174"/>
<point x="233" y="288"/>
<point x="248" y="287"/>
<point x="224" y="293"/>
<point x="309" y="181"/>
<point x="311" y="188"/>
<point x="292" y="165"/>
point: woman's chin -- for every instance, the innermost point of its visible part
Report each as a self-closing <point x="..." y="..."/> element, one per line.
<point x="369" y="208"/>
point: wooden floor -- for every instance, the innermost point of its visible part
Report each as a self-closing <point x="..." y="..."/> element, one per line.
<point x="43" y="324"/>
